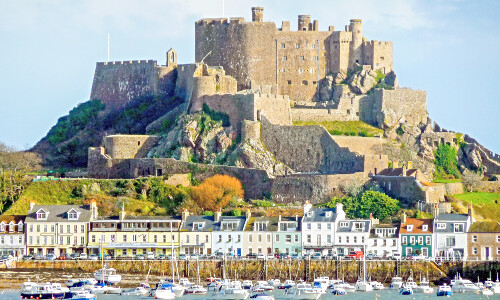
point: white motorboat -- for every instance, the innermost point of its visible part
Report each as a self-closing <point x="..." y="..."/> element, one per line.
<point x="363" y="286"/>
<point x="487" y="292"/>
<point x="339" y="292"/>
<point x="262" y="296"/>
<point x="495" y="287"/>
<point x="396" y="283"/>
<point x="107" y="275"/>
<point x="31" y="290"/>
<point x="274" y="282"/>
<point x="230" y="293"/>
<point x="185" y="282"/>
<point x="346" y="286"/>
<point x="377" y="286"/>
<point x="70" y="282"/>
<point x="406" y="290"/>
<point x="302" y="291"/>
<point x="410" y="283"/>
<point x="81" y="295"/>
<point x="247" y="284"/>
<point x="464" y="286"/>
<point x="261" y="286"/>
<point x="105" y="289"/>
<point x="196" y="289"/>
<point x="424" y="287"/>
<point x="164" y="292"/>
<point x="138" y="291"/>
<point x="444" y="290"/>
<point x="59" y="287"/>
<point x="286" y="285"/>
<point x="321" y="283"/>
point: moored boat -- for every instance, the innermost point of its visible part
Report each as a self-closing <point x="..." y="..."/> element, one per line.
<point x="444" y="290"/>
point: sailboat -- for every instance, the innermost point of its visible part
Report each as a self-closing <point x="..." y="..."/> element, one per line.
<point x="196" y="289"/>
<point x="106" y="275"/>
<point x="363" y="285"/>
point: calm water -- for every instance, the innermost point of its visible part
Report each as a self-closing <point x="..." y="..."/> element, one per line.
<point x="386" y="294"/>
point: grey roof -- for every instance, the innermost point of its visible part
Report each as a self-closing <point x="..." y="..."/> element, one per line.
<point x="319" y="215"/>
<point x="452" y="217"/>
<point x="59" y="213"/>
<point x="188" y="224"/>
<point x="240" y="227"/>
<point x="138" y="218"/>
<point x="366" y="227"/>
<point x="272" y="223"/>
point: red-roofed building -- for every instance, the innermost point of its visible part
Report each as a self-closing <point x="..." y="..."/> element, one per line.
<point x="12" y="241"/>
<point x="416" y="236"/>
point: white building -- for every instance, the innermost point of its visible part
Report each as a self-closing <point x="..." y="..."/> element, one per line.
<point x="12" y="240"/>
<point x="227" y="234"/>
<point x="383" y="240"/>
<point x="450" y="234"/>
<point x="318" y="228"/>
<point x="351" y="235"/>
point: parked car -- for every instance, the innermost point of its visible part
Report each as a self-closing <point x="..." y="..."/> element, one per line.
<point x="140" y="257"/>
<point x="83" y="256"/>
<point x="295" y="256"/>
<point x="94" y="257"/>
<point x="356" y="254"/>
<point x="396" y="256"/>
<point x="252" y="256"/>
<point x="316" y="256"/>
<point x="270" y="256"/>
<point x="260" y="256"/>
<point x="183" y="257"/>
<point x="161" y="256"/>
<point x="62" y="257"/>
<point x="28" y="257"/>
<point x="331" y="256"/>
<point x="150" y="255"/>
<point x="38" y="256"/>
<point x="50" y="256"/>
<point x="371" y="256"/>
<point x="284" y="256"/>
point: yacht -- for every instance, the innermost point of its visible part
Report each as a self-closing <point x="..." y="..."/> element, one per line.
<point x="424" y="287"/>
<point x="406" y="290"/>
<point x="247" y="284"/>
<point x="410" y="283"/>
<point x="31" y="290"/>
<point x="164" y="292"/>
<point x="363" y="286"/>
<point x="464" y="286"/>
<point x="185" y="282"/>
<point x="495" y="287"/>
<point x="196" y="289"/>
<point x="230" y="293"/>
<point x="286" y="285"/>
<point x="263" y="286"/>
<point x="377" y="286"/>
<point x="302" y="291"/>
<point x="396" y="283"/>
<point x="101" y="288"/>
<point x="321" y="283"/>
<point x="345" y="286"/>
<point x="138" y="291"/>
<point x="444" y="290"/>
<point x="107" y="275"/>
<point x="81" y="295"/>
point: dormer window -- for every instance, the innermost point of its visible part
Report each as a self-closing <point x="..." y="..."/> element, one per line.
<point x="459" y="227"/>
<point x="358" y="226"/>
<point x="41" y="215"/>
<point x="260" y="226"/>
<point x="424" y="227"/>
<point x="72" y="215"/>
<point x="309" y="213"/>
<point x="11" y="226"/>
<point x="409" y="227"/>
<point x="328" y="214"/>
<point x="198" y="226"/>
<point x="441" y="225"/>
<point x="344" y="224"/>
<point x="229" y="225"/>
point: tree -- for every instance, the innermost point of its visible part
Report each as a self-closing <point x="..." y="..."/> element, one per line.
<point x="471" y="180"/>
<point x="378" y="204"/>
<point x="445" y="160"/>
<point x="216" y="192"/>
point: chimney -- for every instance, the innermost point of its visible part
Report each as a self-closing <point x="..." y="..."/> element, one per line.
<point x="93" y="209"/>
<point x="469" y="211"/>
<point x="403" y="218"/>
<point x="410" y="165"/>
<point x="122" y="214"/>
<point x="32" y="204"/>
<point x="404" y="170"/>
<point x="217" y="216"/>
<point x="257" y="14"/>
<point x="279" y="218"/>
<point x="307" y="206"/>
<point x="315" y="25"/>
<point x="185" y="215"/>
<point x="395" y="164"/>
<point x="296" y="218"/>
<point x="248" y="214"/>
<point x="435" y="211"/>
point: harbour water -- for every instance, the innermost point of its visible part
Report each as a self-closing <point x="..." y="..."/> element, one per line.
<point x="385" y="294"/>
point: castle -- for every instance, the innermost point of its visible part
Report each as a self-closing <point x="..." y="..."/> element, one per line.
<point x="265" y="78"/>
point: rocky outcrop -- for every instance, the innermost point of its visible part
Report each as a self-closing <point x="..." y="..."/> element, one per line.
<point x="360" y="83"/>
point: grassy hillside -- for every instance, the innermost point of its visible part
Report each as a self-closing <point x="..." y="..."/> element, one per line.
<point x="139" y="196"/>
<point x="345" y="128"/>
<point x="486" y="205"/>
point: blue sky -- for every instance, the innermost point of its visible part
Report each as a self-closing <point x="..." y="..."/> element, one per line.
<point x="49" y="49"/>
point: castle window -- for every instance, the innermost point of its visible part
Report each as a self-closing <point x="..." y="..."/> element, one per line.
<point x="302" y="58"/>
<point x="289" y="82"/>
<point x="300" y="70"/>
<point x="283" y="70"/>
<point x="282" y="45"/>
<point x="315" y="82"/>
<point x="315" y="58"/>
<point x="313" y="46"/>
<point x="312" y="71"/>
<point x="284" y="58"/>
<point x="381" y="58"/>
<point x="297" y="46"/>
<point x="138" y="143"/>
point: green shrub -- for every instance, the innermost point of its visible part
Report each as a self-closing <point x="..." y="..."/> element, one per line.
<point x="217" y="116"/>
<point x="208" y="213"/>
<point x="263" y="203"/>
<point x="237" y="212"/>
<point x="446" y="162"/>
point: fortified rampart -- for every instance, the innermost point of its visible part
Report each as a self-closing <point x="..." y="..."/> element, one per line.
<point x="119" y="82"/>
<point x="129" y="146"/>
<point x="263" y="57"/>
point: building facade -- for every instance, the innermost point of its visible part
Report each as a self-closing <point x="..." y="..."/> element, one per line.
<point x="288" y="236"/>
<point x="196" y="234"/>
<point x="58" y="229"/>
<point x="416" y="236"/>
<point x="383" y="240"/>
<point x="450" y="234"/>
<point x="127" y="236"/>
<point x="12" y="237"/>
<point x="318" y="228"/>
<point x="258" y="235"/>
<point x="227" y="234"/>
<point x="351" y="235"/>
<point x="483" y="241"/>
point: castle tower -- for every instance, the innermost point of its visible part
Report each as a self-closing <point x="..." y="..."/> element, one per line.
<point x="304" y="22"/>
<point x="257" y="14"/>
<point x="171" y="58"/>
<point x="356" y="57"/>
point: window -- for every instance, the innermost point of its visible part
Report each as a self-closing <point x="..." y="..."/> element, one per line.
<point x="103" y="238"/>
<point x="329" y="226"/>
<point x="498" y="238"/>
<point x="408" y="251"/>
<point x="238" y="238"/>
<point x="301" y="71"/>
<point x="420" y="240"/>
<point x="313" y="46"/>
<point x="61" y="229"/>
<point x="68" y="228"/>
<point x="296" y="238"/>
<point x="347" y="239"/>
<point x="312" y="71"/>
<point x="124" y="238"/>
<point x="289" y="82"/>
<point x="375" y="242"/>
<point x="134" y="238"/>
<point x="344" y="224"/>
<point x="474" y="251"/>
<point x="319" y="226"/>
<point x="283" y="70"/>
<point x="75" y="240"/>
<point x="268" y="238"/>
<point x="283" y="45"/>
<point x="318" y="240"/>
<point x="427" y="240"/>
<point x="220" y="239"/>
<point x="52" y="228"/>
<point x="76" y="228"/>
<point x="498" y="251"/>
<point x="206" y="238"/>
<point x="363" y="240"/>
<point x="359" y="227"/>
<point x="164" y="238"/>
<point x="260" y="238"/>
<point x="155" y="238"/>
<point x="250" y="238"/>
<point x="329" y="239"/>
<point x="441" y="226"/>
<point x="459" y="227"/>
<point x="72" y="215"/>
<point x="277" y="238"/>
<point x="309" y="226"/>
<point x="31" y="228"/>
<point x="38" y="228"/>
<point x="83" y="229"/>
<point x="229" y="238"/>
<point x="474" y="239"/>
<point x="38" y="240"/>
<point x="308" y="238"/>
<point x="409" y="227"/>
<point x="412" y="240"/>
<point x="20" y="240"/>
<point x="144" y="238"/>
<point x="355" y="239"/>
<point x="450" y="241"/>
<point x="315" y="58"/>
<point x="288" y="238"/>
<point x="41" y="215"/>
<point x="297" y="46"/>
<point x="44" y="228"/>
<point x="302" y="58"/>
<point x="304" y="82"/>
<point x="425" y="252"/>
<point x="187" y="238"/>
<point x="340" y="240"/>
<point x="284" y="58"/>
<point x="405" y="240"/>
<point x="92" y="238"/>
<point x="424" y="227"/>
<point x="68" y="240"/>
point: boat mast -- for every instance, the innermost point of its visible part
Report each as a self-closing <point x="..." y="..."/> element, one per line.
<point x="364" y="262"/>
<point x="172" y="254"/>
<point x="102" y="262"/>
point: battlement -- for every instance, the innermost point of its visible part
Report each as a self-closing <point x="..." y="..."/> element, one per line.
<point x="128" y="62"/>
<point x="379" y="43"/>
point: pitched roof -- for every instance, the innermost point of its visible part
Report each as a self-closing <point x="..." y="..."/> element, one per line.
<point x="452" y="217"/>
<point x="366" y="226"/>
<point x="272" y="223"/>
<point x="59" y="213"/>
<point x="15" y="219"/>
<point x="484" y="227"/>
<point x="319" y="215"/>
<point x="225" y="219"/>
<point x="417" y="226"/>
<point x="207" y="220"/>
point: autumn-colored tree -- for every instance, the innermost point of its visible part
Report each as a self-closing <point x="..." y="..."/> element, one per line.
<point x="215" y="192"/>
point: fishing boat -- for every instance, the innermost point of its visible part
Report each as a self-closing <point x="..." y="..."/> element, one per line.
<point x="321" y="283"/>
<point x="302" y="291"/>
<point x="396" y="283"/>
<point x="423" y="287"/>
<point x="444" y="290"/>
<point x="464" y="286"/>
<point x="80" y="295"/>
<point x="406" y="290"/>
<point x="31" y="290"/>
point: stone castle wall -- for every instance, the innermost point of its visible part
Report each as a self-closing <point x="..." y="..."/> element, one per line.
<point x="119" y="82"/>
<point x="362" y="145"/>
<point x="129" y="146"/>
<point x="309" y="149"/>
<point x="404" y="188"/>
